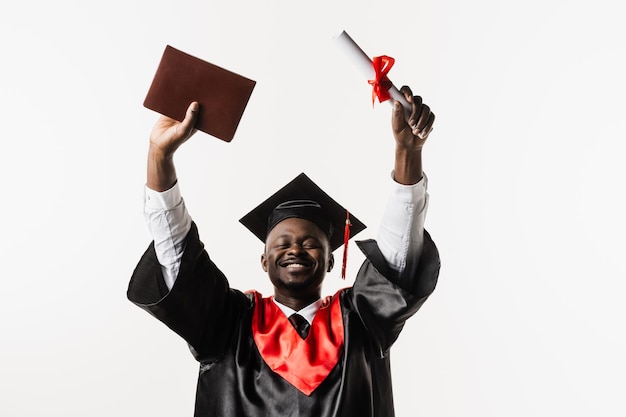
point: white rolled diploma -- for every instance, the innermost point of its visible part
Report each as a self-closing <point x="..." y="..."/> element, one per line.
<point x="366" y="66"/>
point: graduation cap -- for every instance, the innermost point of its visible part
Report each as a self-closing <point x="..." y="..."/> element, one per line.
<point x="302" y="198"/>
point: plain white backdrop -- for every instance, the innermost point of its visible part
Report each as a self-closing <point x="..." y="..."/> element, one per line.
<point x="526" y="182"/>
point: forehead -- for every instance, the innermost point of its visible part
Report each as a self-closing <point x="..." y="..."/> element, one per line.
<point x="297" y="227"/>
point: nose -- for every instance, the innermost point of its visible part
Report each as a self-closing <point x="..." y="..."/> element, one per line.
<point x="295" y="248"/>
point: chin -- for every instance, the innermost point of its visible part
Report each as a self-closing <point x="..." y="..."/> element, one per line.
<point x="298" y="285"/>
<point x="295" y="285"/>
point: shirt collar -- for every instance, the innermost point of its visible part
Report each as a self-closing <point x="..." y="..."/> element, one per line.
<point x="307" y="312"/>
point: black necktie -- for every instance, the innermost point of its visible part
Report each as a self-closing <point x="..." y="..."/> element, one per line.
<point x="300" y="324"/>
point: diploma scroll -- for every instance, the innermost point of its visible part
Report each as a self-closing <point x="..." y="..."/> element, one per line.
<point x="366" y="66"/>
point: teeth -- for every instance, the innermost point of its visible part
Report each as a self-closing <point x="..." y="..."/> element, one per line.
<point x="295" y="266"/>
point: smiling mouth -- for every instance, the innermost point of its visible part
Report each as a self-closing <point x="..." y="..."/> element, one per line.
<point x="295" y="265"/>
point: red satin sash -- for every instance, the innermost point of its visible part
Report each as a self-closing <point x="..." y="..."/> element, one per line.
<point x="304" y="363"/>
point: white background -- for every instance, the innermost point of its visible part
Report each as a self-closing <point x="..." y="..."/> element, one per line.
<point x="526" y="182"/>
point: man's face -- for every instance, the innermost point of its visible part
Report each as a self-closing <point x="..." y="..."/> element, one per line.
<point x="297" y="257"/>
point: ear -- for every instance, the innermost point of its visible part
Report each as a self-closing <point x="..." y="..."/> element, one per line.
<point x="331" y="262"/>
<point x="264" y="262"/>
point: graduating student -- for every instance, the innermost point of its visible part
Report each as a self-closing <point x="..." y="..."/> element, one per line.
<point x="257" y="358"/>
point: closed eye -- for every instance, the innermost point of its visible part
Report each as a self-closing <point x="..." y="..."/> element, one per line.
<point x="311" y="244"/>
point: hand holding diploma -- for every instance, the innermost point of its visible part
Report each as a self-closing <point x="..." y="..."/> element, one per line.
<point x="412" y="121"/>
<point x="410" y="135"/>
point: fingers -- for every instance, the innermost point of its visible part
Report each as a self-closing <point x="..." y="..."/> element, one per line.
<point x="186" y="126"/>
<point x="398" y="123"/>
<point x="422" y="119"/>
<point x="168" y="134"/>
<point x="416" y="112"/>
<point x="423" y="130"/>
<point x="408" y="94"/>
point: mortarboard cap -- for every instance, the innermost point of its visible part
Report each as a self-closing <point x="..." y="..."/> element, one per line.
<point x="304" y="199"/>
<point x="181" y="78"/>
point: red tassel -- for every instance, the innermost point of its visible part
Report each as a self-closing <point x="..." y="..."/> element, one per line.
<point x="346" y="238"/>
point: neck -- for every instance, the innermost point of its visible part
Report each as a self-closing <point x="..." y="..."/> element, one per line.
<point x="295" y="302"/>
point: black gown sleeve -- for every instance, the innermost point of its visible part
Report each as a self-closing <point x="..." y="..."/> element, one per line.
<point x="201" y="307"/>
<point x="384" y="299"/>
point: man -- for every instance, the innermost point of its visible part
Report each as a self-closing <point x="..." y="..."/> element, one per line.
<point x="255" y="358"/>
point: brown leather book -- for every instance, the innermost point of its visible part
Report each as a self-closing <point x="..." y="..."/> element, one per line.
<point x="182" y="78"/>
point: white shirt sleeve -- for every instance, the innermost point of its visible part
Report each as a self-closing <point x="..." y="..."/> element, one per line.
<point x="168" y="222"/>
<point x="401" y="234"/>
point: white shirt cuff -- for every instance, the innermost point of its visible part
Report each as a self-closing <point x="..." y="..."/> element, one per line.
<point x="165" y="200"/>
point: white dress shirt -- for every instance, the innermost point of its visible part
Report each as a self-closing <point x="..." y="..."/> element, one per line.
<point x="400" y="237"/>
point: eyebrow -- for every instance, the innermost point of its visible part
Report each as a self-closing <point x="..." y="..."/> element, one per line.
<point x="287" y="235"/>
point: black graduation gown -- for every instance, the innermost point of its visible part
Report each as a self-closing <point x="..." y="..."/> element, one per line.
<point x="234" y="380"/>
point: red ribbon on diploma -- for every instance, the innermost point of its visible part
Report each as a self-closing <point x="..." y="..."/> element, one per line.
<point x="382" y="84"/>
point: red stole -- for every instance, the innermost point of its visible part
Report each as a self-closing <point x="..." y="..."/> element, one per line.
<point x="304" y="363"/>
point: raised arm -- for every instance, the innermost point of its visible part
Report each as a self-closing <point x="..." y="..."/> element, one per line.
<point x="164" y="210"/>
<point x="200" y="307"/>
<point x="401" y="234"/>
<point x="387" y="292"/>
